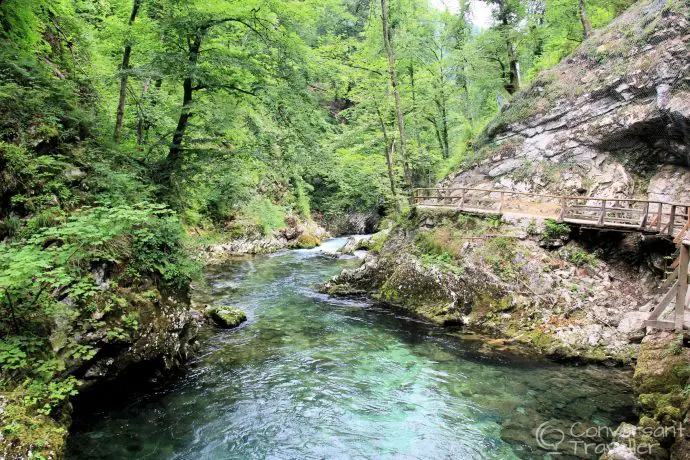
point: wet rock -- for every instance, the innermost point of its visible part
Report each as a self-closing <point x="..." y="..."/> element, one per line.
<point x="617" y="451"/>
<point x="296" y="235"/>
<point x="662" y="365"/>
<point x="225" y="316"/>
<point x="349" y="246"/>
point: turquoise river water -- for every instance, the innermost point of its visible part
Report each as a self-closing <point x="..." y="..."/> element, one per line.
<point x="312" y="377"/>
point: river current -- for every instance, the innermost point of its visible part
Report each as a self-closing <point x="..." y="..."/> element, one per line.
<point x="313" y="377"/>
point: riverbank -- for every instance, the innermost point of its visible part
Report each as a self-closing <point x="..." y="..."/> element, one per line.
<point x="297" y="234"/>
<point x="527" y="281"/>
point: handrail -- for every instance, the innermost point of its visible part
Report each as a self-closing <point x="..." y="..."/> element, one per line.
<point x="655" y="216"/>
<point x="569" y="197"/>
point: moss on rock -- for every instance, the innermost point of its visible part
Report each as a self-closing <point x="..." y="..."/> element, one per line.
<point x="25" y="434"/>
<point x="660" y="369"/>
<point x="225" y="316"/>
<point x="305" y="241"/>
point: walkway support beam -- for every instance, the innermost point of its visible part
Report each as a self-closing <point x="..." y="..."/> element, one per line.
<point x="682" y="285"/>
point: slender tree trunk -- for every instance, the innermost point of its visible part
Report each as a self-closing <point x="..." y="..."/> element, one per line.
<point x="437" y="130"/>
<point x="444" y="127"/>
<point x="140" y="121"/>
<point x="389" y="153"/>
<point x="414" y="104"/>
<point x="586" y="25"/>
<point x="174" y="155"/>
<point x="441" y="104"/>
<point x="396" y="94"/>
<point x="124" y="76"/>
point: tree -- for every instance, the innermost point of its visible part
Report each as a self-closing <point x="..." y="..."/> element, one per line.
<point x="586" y="25"/>
<point x="508" y="14"/>
<point x="124" y="69"/>
<point x="392" y="73"/>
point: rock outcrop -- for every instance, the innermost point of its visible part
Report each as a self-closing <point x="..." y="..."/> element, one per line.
<point x="502" y="279"/>
<point x="147" y="335"/>
<point x="612" y="119"/>
<point x="660" y="385"/>
<point x="296" y="235"/>
<point x="161" y="343"/>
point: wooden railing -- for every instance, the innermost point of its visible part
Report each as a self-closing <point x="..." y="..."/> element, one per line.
<point x="649" y="216"/>
<point x="675" y="289"/>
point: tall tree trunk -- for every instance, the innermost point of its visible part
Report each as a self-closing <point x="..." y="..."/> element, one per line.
<point x="444" y="126"/>
<point x="396" y="94"/>
<point x="586" y="25"/>
<point x="514" y="69"/>
<point x="124" y="68"/>
<point x="441" y="104"/>
<point x="174" y="155"/>
<point x="414" y="103"/>
<point x="389" y="154"/>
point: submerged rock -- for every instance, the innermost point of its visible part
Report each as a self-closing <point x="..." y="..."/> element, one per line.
<point x="225" y="316"/>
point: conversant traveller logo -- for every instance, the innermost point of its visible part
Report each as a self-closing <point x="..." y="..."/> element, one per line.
<point x="595" y="440"/>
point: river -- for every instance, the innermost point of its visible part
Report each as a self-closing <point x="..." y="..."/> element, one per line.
<point x="308" y="376"/>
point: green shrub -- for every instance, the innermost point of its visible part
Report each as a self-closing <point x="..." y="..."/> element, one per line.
<point x="10" y="226"/>
<point x="439" y="242"/>
<point x="499" y="252"/>
<point x="554" y="230"/>
<point x="263" y="213"/>
<point x="581" y="258"/>
<point x="48" y="275"/>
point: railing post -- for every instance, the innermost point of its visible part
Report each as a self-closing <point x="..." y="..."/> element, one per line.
<point x="500" y="207"/>
<point x="660" y="215"/>
<point x="682" y="285"/>
<point x="672" y="220"/>
<point x="603" y="213"/>
<point x="564" y="209"/>
<point x="645" y="215"/>
<point x="462" y="198"/>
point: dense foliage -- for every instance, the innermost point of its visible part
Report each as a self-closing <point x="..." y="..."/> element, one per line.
<point x="123" y="122"/>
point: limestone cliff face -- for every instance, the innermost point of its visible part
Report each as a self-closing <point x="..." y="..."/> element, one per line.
<point x="612" y="119"/>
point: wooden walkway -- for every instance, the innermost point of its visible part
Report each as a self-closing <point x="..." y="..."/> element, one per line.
<point x="651" y="217"/>
<point x="666" y="219"/>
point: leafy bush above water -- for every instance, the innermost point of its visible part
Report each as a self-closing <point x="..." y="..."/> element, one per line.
<point x="69" y="280"/>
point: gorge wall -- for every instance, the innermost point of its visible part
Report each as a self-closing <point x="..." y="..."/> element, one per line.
<point x="612" y="119"/>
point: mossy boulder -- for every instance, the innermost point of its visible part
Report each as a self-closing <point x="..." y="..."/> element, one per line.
<point x="660" y="382"/>
<point x="225" y="316"/>
<point x="305" y="241"/>
<point x="663" y="365"/>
